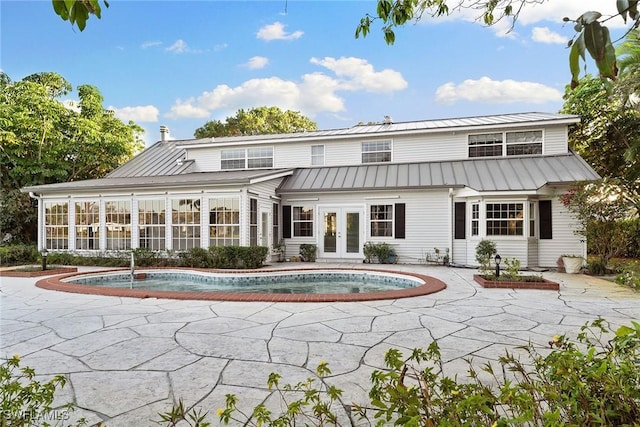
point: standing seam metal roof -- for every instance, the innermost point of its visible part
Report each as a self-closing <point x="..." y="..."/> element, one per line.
<point x="492" y="174"/>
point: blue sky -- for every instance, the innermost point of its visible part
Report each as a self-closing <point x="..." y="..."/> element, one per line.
<point x="182" y="63"/>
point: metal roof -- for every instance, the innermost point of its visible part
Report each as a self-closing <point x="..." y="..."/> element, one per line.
<point x="387" y="129"/>
<point x="494" y="174"/>
<point x="162" y="158"/>
<point x="202" y="179"/>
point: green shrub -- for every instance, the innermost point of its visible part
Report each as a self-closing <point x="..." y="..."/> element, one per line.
<point x="485" y="250"/>
<point x="591" y="381"/>
<point x="196" y="258"/>
<point x="308" y="252"/>
<point x="596" y="267"/>
<point x="27" y="402"/>
<point x="629" y="278"/>
<point x="18" y="254"/>
<point x="382" y="252"/>
<point x="145" y="257"/>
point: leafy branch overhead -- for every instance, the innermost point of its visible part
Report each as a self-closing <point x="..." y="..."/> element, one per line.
<point x="78" y="11"/>
<point x="592" y="36"/>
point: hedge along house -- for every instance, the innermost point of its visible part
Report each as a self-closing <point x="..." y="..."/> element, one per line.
<point x="421" y="185"/>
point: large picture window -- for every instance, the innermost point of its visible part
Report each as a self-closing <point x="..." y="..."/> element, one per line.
<point x="56" y="220"/>
<point x="118" y="224"/>
<point x="381" y="220"/>
<point x="519" y="143"/>
<point x="251" y="158"/>
<point x="376" y="151"/>
<point x="505" y="219"/>
<point x="87" y="220"/>
<point x="302" y="221"/>
<point x="151" y="223"/>
<point x="185" y="215"/>
<point x="224" y="221"/>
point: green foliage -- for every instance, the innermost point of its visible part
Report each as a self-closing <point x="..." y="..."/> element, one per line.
<point x="598" y="209"/>
<point x="18" y="254"/>
<point x="512" y="269"/>
<point x="308" y="252"/>
<point x="24" y="401"/>
<point x="145" y="257"/>
<point x="78" y="11"/>
<point x="382" y="252"/>
<point x="629" y="278"/>
<point x="485" y="251"/>
<point x="224" y="257"/>
<point x="257" y="121"/>
<point x="44" y="142"/>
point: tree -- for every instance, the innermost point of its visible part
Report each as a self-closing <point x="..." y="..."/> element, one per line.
<point x="78" y="11"/>
<point x="257" y="121"/>
<point x="591" y="36"/>
<point x="606" y="134"/>
<point x="43" y="142"/>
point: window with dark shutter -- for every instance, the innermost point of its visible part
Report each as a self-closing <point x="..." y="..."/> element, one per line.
<point x="399" y="220"/>
<point x="460" y="220"/>
<point x="544" y="208"/>
<point x="286" y="221"/>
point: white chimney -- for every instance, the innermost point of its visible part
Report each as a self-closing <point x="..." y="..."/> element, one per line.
<point x="164" y="133"/>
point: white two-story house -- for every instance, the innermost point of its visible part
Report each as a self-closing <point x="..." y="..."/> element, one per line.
<point x="420" y="185"/>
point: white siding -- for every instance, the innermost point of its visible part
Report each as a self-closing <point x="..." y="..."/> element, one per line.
<point x="564" y="242"/>
<point x="450" y="145"/>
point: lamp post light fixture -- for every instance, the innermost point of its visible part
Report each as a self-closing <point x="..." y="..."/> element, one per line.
<point x="497" y="259"/>
<point x="44" y="254"/>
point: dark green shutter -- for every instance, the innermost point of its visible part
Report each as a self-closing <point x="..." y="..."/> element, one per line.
<point x="460" y="220"/>
<point x="399" y="221"/>
<point x="286" y="221"/>
<point x="546" y="229"/>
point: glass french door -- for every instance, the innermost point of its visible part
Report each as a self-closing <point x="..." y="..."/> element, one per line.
<point x="341" y="232"/>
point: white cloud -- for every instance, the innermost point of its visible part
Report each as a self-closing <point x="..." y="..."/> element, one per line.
<point x="257" y="62"/>
<point x="490" y="91"/>
<point x="180" y="46"/>
<point x="141" y="113"/>
<point x="219" y="47"/>
<point x="358" y="74"/>
<point x="186" y="109"/>
<point x="545" y="35"/>
<point x="149" y="44"/>
<point x="71" y="104"/>
<point x="276" y="31"/>
<point x="314" y="93"/>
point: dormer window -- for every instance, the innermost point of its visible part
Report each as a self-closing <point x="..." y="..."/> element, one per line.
<point x="376" y="151"/>
<point x="247" y="158"/>
<point x="512" y="143"/>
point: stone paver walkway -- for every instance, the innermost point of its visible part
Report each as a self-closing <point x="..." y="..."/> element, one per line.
<point x="127" y="359"/>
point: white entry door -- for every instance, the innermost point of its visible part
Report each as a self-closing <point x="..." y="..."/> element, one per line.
<point x="341" y="232"/>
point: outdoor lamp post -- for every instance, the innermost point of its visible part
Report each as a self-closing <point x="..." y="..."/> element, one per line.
<point x="497" y="259"/>
<point x="44" y="254"/>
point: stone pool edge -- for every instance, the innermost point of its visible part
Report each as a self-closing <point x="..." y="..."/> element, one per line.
<point x="431" y="285"/>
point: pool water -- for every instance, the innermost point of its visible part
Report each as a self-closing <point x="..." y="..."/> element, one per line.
<point x="290" y="283"/>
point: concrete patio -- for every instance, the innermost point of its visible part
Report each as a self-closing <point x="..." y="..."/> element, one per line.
<point x="128" y="359"/>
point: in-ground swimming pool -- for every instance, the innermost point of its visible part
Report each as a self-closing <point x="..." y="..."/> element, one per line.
<point x="275" y="285"/>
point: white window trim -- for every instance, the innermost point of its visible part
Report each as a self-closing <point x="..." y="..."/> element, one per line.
<point x="390" y="151"/>
<point x="505" y="144"/>
<point x="392" y="221"/>
<point x="314" y="210"/>
<point x="246" y="158"/>
<point x="323" y="158"/>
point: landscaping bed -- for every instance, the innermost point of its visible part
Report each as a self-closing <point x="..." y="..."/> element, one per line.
<point x="36" y="271"/>
<point x="524" y="282"/>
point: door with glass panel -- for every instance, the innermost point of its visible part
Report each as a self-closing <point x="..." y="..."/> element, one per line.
<point x="341" y="232"/>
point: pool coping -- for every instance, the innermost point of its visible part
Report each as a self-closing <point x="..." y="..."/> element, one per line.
<point x="431" y="285"/>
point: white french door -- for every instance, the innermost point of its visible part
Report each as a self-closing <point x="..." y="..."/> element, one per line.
<point x="341" y="232"/>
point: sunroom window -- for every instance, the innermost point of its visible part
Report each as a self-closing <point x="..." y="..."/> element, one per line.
<point x="224" y="221"/>
<point x="56" y="217"/>
<point x="118" y="224"/>
<point x="505" y="219"/>
<point x="185" y="214"/>
<point x="87" y="220"/>
<point x="151" y="223"/>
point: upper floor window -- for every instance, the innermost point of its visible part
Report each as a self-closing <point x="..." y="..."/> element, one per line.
<point x="485" y="145"/>
<point x="522" y="143"/>
<point x="517" y="144"/>
<point x="317" y="155"/>
<point x="251" y="158"/>
<point x="376" y="151"/>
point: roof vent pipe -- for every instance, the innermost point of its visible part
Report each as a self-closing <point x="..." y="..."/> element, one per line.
<point x="164" y="133"/>
<point x="388" y="120"/>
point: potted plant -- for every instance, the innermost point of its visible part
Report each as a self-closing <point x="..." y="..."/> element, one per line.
<point x="308" y="252"/>
<point x="572" y="263"/>
<point x="278" y="251"/>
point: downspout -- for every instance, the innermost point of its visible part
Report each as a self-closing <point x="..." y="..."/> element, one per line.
<point x="39" y="237"/>
<point x="451" y="220"/>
